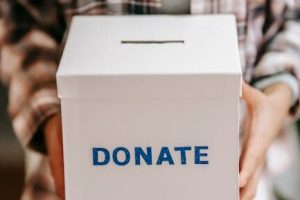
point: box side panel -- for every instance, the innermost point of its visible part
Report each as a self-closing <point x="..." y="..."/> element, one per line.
<point x="151" y="123"/>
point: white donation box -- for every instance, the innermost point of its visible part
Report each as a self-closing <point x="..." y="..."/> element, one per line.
<point x="150" y="108"/>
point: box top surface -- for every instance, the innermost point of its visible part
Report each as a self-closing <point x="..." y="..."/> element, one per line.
<point x="114" y="45"/>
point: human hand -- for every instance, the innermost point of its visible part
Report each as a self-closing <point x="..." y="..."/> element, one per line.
<point x="53" y="138"/>
<point x="266" y="113"/>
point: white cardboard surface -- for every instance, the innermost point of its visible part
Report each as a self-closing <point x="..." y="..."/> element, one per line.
<point x="151" y="95"/>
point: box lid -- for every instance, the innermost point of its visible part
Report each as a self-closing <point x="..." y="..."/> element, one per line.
<point x="150" y="56"/>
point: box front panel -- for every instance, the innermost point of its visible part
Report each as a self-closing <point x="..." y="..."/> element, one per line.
<point x="151" y="149"/>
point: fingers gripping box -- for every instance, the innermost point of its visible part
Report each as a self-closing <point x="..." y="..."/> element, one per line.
<point x="150" y="108"/>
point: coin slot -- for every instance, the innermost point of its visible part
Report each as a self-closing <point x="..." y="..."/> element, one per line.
<point x="152" y="42"/>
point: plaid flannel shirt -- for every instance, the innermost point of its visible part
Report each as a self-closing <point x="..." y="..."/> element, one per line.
<point x="32" y="35"/>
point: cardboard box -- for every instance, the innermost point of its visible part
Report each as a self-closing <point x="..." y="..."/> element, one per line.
<point x="150" y="108"/>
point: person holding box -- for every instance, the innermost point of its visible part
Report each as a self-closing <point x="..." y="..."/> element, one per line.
<point x="32" y="38"/>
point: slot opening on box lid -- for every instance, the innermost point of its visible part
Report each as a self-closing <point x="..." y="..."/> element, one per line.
<point x="152" y="41"/>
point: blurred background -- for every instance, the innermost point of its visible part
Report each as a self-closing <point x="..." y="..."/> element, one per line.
<point x="11" y="156"/>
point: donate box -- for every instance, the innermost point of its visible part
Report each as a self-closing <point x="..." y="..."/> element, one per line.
<point x="150" y="108"/>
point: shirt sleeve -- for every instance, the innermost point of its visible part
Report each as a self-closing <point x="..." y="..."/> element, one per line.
<point x="282" y="56"/>
<point x="30" y="50"/>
